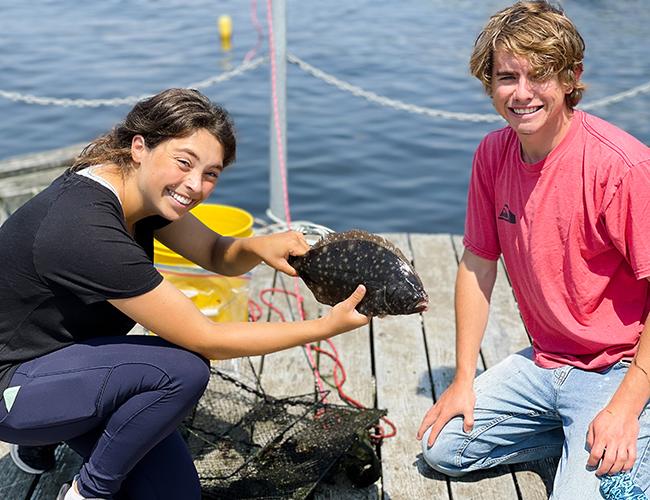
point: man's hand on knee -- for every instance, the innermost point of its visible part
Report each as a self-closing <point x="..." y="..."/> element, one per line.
<point x="458" y="399"/>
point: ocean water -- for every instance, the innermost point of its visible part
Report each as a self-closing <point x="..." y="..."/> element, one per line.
<point x="352" y="163"/>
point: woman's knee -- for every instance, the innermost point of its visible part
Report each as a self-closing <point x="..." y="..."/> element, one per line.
<point x="181" y="373"/>
<point x="189" y="371"/>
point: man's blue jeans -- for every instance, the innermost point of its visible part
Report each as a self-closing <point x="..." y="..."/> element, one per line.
<point x="524" y="412"/>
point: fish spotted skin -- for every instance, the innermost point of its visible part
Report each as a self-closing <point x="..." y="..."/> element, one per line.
<point x="339" y="262"/>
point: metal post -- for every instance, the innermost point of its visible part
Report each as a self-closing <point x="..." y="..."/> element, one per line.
<point x="276" y="204"/>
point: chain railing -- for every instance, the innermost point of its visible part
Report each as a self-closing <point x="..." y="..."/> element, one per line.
<point x="388" y="102"/>
<point x="320" y="75"/>
<point x="438" y="113"/>
<point x="130" y="100"/>
<point x="621" y="96"/>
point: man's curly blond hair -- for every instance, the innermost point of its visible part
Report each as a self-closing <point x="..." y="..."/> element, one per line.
<point x="543" y="35"/>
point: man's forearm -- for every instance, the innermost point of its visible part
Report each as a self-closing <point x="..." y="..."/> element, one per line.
<point x="633" y="393"/>
<point x="474" y="283"/>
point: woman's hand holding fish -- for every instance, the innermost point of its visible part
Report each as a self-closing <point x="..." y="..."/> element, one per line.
<point x="458" y="399"/>
<point x="344" y="317"/>
<point x="274" y="249"/>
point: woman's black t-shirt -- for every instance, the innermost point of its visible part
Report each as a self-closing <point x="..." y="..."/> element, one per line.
<point x="63" y="254"/>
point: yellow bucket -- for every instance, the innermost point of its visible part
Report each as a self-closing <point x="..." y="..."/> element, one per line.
<point x="224" y="219"/>
<point x="222" y="298"/>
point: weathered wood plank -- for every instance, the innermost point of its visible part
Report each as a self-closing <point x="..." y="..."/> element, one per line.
<point x="68" y="464"/>
<point x="30" y="183"/>
<point x="356" y="357"/>
<point x="436" y="265"/>
<point x="504" y="335"/>
<point x="36" y="162"/>
<point x="404" y="389"/>
<point x="287" y="373"/>
<point x="439" y="324"/>
<point x="14" y="483"/>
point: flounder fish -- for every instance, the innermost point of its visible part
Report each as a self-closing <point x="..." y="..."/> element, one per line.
<point x="338" y="262"/>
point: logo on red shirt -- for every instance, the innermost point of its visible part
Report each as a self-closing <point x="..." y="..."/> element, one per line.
<point x="507" y="215"/>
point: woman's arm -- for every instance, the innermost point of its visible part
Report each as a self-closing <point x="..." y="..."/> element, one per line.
<point x="196" y="242"/>
<point x="171" y="315"/>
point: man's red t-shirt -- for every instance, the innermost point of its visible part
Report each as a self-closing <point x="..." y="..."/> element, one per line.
<point x="574" y="231"/>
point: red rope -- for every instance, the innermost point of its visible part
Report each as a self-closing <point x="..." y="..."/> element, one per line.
<point x="339" y="381"/>
<point x="299" y="298"/>
<point x="255" y="312"/>
<point x="338" y="373"/>
<point x="276" y="116"/>
<point x="260" y="34"/>
<point x="283" y="172"/>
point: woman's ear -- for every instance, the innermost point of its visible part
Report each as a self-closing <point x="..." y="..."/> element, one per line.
<point x="138" y="148"/>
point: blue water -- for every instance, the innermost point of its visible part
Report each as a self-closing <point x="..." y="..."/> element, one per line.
<point x="352" y="163"/>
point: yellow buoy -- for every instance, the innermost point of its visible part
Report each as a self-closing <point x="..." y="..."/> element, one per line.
<point x="225" y="31"/>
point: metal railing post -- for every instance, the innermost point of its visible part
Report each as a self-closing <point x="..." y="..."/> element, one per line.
<point x="276" y="202"/>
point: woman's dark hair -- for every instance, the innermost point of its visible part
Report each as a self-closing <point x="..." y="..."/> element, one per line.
<point x="171" y="114"/>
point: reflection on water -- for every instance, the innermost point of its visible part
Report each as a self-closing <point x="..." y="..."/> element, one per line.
<point x="352" y="163"/>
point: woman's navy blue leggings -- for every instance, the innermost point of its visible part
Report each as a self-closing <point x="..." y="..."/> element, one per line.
<point x="116" y="401"/>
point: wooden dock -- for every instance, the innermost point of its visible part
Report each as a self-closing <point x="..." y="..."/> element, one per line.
<point x="397" y="363"/>
<point x="400" y="364"/>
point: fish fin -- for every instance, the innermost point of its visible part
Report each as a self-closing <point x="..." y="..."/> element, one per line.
<point x="360" y="234"/>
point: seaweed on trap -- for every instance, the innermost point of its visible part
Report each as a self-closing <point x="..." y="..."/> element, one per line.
<point x="247" y="444"/>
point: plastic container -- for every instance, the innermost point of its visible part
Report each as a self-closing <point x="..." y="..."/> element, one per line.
<point x="224" y="219"/>
<point x="221" y="298"/>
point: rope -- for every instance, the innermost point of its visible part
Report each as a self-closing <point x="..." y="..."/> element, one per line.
<point x="438" y="113"/>
<point x="355" y="90"/>
<point x="339" y="380"/>
<point x="606" y="101"/>
<point x="121" y="101"/>
<point x="285" y="189"/>
<point x="338" y="373"/>
<point x="258" y="28"/>
<point x="385" y="101"/>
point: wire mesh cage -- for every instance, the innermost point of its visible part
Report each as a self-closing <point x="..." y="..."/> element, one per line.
<point x="247" y="444"/>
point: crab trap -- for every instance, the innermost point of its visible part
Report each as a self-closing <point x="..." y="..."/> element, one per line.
<point x="247" y="444"/>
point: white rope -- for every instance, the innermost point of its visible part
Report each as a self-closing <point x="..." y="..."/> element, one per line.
<point x="438" y="113"/>
<point x="242" y="68"/>
<point x="387" y="102"/>
<point x="310" y="230"/>
<point x="321" y="75"/>
<point x="606" y="101"/>
<point x="119" y="101"/>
